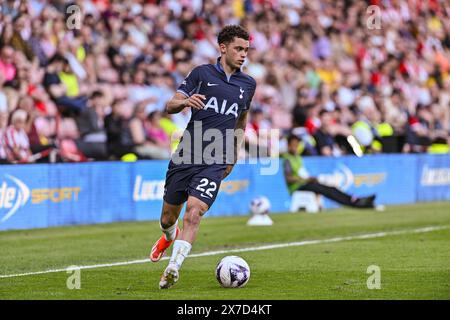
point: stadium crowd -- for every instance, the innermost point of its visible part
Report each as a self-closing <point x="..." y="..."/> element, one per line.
<point x="91" y="82"/>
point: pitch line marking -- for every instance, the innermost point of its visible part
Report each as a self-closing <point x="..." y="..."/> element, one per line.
<point x="265" y="247"/>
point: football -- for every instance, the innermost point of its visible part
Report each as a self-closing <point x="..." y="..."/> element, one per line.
<point x="260" y="205"/>
<point x="232" y="272"/>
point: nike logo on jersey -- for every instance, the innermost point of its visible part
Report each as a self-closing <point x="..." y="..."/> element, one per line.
<point x="212" y="84"/>
<point x="204" y="196"/>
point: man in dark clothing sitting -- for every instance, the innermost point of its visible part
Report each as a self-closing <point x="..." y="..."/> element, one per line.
<point x="293" y="164"/>
<point x="90" y="123"/>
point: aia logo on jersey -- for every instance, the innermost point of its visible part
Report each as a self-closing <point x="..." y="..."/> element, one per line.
<point x="224" y="108"/>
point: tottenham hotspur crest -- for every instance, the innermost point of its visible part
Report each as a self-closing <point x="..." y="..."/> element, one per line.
<point x="242" y="93"/>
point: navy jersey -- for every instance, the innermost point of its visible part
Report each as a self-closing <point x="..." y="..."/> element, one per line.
<point x="209" y="135"/>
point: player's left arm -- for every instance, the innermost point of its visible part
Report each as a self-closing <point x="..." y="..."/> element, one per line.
<point x="239" y="138"/>
<point x="240" y="131"/>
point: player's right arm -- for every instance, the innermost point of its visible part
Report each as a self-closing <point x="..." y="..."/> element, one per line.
<point x="187" y="94"/>
<point x="180" y="101"/>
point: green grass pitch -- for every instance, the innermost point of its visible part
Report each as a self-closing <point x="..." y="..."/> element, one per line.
<point x="412" y="265"/>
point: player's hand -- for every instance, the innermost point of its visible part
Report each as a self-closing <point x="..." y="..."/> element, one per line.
<point x="195" y="101"/>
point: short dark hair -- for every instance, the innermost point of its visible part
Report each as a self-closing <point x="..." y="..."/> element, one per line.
<point x="152" y="114"/>
<point x="228" y="33"/>
<point x="291" y="137"/>
<point x="96" y="94"/>
<point x="323" y="111"/>
<point x="57" y="57"/>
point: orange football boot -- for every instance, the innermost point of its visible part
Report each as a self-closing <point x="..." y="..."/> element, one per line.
<point x="161" y="246"/>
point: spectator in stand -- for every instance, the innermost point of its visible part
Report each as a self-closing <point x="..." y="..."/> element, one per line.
<point x="144" y="147"/>
<point x="257" y="134"/>
<point x="21" y="32"/>
<point x="325" y="136"/>
<point x="16" y="138"/>
<point x="307" y="142"/>
<point x="4" y="152"/>
<point x="7" y="68"/>
<point x="90" y="123"/>
<point x="67" y="101"/>
<point x="117" y="125"/>
<point x="419" y="132"/>
<point x="3" y="98"/>
<point x="306" y="56"/>
<point x="155" y="132"/>
<point x="37" y="132"/>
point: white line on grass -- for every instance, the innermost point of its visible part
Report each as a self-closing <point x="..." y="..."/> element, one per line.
<point x="266" y="247"/>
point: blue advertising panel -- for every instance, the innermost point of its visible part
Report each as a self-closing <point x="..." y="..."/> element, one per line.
<point x="24" y="196"/>
<point x="433" y="175"/>
<point x="391" y="177"/>
<point x="235" y="193"/>
<point x="147" y="188"/>
<point x="248" y="181"/>
<point x="41" y="195"/>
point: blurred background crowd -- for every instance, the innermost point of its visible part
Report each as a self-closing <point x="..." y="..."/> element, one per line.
<point x="90" y="82"/>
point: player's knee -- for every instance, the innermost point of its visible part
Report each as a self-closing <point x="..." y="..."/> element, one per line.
<point x="168" y="219"/>
<point x="192" y="216"/>
<point x="165" y="224"/>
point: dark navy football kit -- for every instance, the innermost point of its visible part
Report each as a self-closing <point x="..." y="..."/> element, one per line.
<point x="207" y="145"/>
